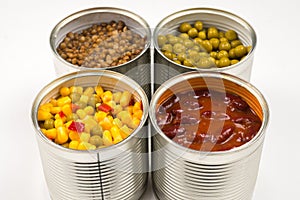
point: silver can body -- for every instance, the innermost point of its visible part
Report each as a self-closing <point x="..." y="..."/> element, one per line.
<point x="138" y="68"/>
<point x="116" y="172"/>
<point x="181" y="173"/>
<point x="164" y="69"/>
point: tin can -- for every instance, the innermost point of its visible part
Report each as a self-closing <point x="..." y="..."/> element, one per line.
<point x="115" y="172"/>
<point x="182" y="173"/>
<point x="164" y="68"/>
<point x="138" y="68"/>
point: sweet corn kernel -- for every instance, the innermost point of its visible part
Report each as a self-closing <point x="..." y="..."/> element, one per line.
<point x="125" y="131"/>
<point x="117" y="122"/>
<point x="125" y="98"/>
<point x="74" y="136"/>
<point x="89" y="110"/>
<point x="62" y="135"/>
<point x="66" y="145"/>
<point x="64" y="91"/>
<point x="74" y="144"/>
<point x="137" y="106"/>
<point x="82" y="146"/>
<point x="50" y="133"/>
<point x="107" y="138"/>
<point x="138" y="114"/>
<point x="63" y="101"/>
<point x="66" y="109"/>
<point x="89" y="123"/>
<point x="55" y="110"/>
<point x="106" y="124"/>
<point x="100" y="115"/>
<point x="81" y="113"/>
<point x="58" y="123"/>
<point x="135" y="123"/>
<point x="84" y="99"/>
<point x="44" y="115"/>
<point x="117" y="96"/>
<point x="88" y="91"/>
<point x="99" y="90"/>
<point x="76" y="89"/>
<point x="85" y="137"/>
<point x="116" y="109"/>
<point x="53" y="101"/>
<point x="115" y="132"/>
<point x="46" y="107"/>
<point x="106" y="96"/>
<point x="129" y="109"/>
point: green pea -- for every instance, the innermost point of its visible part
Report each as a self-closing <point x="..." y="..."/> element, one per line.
<point x="231" y="54"/>
<point x="96" y="140"/>
<point x="222" y="54"/>
<point x="224" y="46"/>
<point x="178" y="48"/>
<point x="234" y="61"/>
<point x="249" y="48"/>
<point x="198" y="25"/>
<point x="184" y="36"/>
<point x="178" y="62"/>
<point x="214" y="42"/>
<point x="188" y="43"/>
<point x="193" y="32"/>
<point x="49" y="124"/>
<point x="161" y="40"/>
<point x="207" y="46"/>
<point x="168" y="54"/>
<point x="212" y="32"/>
<point x="194" y="55"/>
<point x="221" y="34"/>
<point x="231" y="35"/>
<point x="196" y="48"/>
<point x="224" y="62"/>
<point x="202" y="35"/>
<point x="181" y="57"/>
<point x="235" y="43"/>
<point x="167" y="47"/>
<point x="204" y="63"/>
<point x="188" y="63"/>
<point x="198" y="40"/>
<point x="173" y="40"/>
<point x="213" y="54"/>
<point x="240" y="51"/>
<point x="97" y="130"/>
<point x="184" y="27"/>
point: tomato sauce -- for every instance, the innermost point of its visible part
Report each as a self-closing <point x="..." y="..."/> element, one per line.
<point x="207" y="120"/>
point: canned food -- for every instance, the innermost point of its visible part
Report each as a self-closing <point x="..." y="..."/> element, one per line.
<point x="117" y="171"/>
<point x="165" y="66"/>
<point x="103" y="38"/>
<point x="183" y="172"/>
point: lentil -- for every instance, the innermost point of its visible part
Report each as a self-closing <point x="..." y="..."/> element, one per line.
<point x="101" y="45"/>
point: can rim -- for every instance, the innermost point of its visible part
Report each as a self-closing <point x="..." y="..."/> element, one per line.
<point x="207" y="10"/>
<point x="78" y="14"/>
<point x="45" y="90"/>
<point x="194" y="74"/>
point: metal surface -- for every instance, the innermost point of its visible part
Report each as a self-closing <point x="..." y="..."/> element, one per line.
<point x="164" y="69"/>
<point x="117" y="172"/>
<point x="181" y="173"/>
<point x="138" y="68"/>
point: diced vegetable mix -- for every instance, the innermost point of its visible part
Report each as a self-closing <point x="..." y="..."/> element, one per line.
<point x="89" y="118"/>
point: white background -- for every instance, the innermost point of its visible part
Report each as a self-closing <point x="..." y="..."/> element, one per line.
<point x="26" y="64"/>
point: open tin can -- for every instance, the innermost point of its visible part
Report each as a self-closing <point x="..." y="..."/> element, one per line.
<point x="138" y="68"/>
<point x="179" y="172"/>
<point x="114" y="172"/>
<point x="164" y="68"/>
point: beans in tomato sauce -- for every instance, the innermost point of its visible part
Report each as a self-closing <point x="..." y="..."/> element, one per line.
<point x="207" y="120"/>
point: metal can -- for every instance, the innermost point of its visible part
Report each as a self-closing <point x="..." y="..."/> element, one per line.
<point x="182" y="173"/>
<point x="165" y="69"/>
<point x="138" y="68"/>
<point x="115" y="172"/>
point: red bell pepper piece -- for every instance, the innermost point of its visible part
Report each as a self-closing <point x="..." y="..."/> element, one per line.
<point x="61" y="114"/>
<point x="76" y="126"/>
<point x="105" y="108"/>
